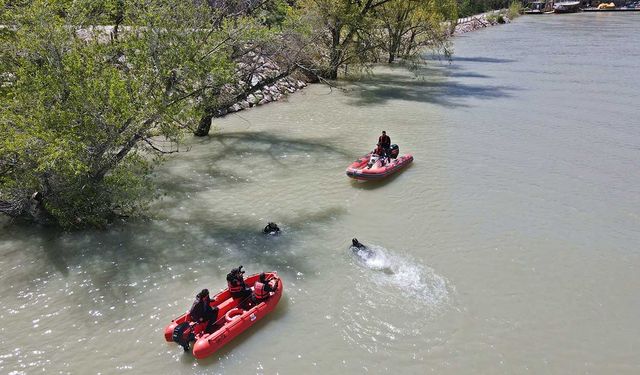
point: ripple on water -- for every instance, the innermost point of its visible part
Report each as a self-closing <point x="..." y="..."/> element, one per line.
<point x="394" y="297"/>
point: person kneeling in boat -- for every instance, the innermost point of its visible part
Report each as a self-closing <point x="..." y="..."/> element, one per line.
<point x="235" y="282"/>
<point x="381" y="152"/>
<point x="201" y="310"/>
<point x="262" y="288"/>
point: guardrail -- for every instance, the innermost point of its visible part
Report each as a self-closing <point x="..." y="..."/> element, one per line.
<point x="476" y="17"/>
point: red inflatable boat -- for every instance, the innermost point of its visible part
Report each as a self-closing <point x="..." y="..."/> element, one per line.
<point x="372" y="167"/>
<point x="232" y="320"/>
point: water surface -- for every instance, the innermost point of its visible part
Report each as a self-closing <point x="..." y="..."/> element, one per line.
<point x="509" y="246"/>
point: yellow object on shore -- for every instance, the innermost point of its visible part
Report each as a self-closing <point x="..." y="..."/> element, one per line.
<point x="606" y="6"/>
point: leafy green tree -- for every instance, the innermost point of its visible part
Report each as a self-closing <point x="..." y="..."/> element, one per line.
<point x="88" y="110"/>
<point x="267" y="36"/>
<point x="412" y="25"/>
<point x="356" y="32"/>
<point x="346" y="29"/>
<point x="471" y="7"/>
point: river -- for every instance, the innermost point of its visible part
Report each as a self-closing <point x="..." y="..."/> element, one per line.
<point x="509" y="246"/>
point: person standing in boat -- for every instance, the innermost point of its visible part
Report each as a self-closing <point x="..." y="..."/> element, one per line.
<point x="235" y="282"/>
<point x="201" y="310"/>
<point x="384" y="141"/>
<point x="262" y="288"/>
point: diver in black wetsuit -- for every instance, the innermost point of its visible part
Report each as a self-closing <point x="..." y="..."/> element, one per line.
<point x="271" y="228"/>
<point x="355" y="243"/>
<point x="360" y="249"/>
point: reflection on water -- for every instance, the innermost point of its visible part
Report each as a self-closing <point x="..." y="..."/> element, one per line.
<point x="506" y="242"/>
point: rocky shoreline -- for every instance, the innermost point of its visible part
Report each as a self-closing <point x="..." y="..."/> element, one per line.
<point x="480" y="21"/>
<point x="267" y="94"/>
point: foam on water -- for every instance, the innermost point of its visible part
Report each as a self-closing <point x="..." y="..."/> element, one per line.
<point x="394" y="297"/>
<point x="403" y="274"/>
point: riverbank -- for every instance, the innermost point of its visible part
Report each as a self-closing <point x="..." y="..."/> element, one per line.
<point x="481" y="21"/>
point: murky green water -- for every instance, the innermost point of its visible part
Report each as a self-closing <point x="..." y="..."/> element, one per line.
<point x="509" y="246"/>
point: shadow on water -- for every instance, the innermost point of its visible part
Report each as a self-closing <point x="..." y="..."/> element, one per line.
<point x="435" y="84"/>
<point x="231" y="156"/>
<point x="120" y="258"/>
<point x="124" y="259"/>
<point x="481" y="59"/>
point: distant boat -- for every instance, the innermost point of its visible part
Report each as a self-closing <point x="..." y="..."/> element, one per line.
<point x="566" y="7"/>
<point x="539" y="7"/>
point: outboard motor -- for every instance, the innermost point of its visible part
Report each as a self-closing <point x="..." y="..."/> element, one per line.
<point x="183" y="335"/>
<point x="394" y="151"/>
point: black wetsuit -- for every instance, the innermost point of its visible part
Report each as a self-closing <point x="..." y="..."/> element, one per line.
<point x="385" y="142"/>
<point x="201" y="310"/>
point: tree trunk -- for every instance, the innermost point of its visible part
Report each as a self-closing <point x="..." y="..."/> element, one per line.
<point x="204" y="126"/>
<point x="393" y="49"/>
<point x="30" y="209"/>
<point x="335" y="55"/>
<point x="205" y="121"/>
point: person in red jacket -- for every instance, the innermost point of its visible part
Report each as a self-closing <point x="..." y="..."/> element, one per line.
<point x="235" y="282"/>
<point x="262" y="288"/>
<point x="379" y="150"/>
<point x="385" y="141"/>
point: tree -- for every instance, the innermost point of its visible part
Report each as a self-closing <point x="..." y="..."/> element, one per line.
<point x="268" y="43"/>
<point x="88" y="110"/>
<point x="355" y="32"/>
<point x="346" y="28"/>
<point x="412" y="25"/>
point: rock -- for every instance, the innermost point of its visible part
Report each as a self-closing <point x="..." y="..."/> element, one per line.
<point x="244" y="104"/>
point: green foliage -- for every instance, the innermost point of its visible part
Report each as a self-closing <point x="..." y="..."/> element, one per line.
<point x="84" y="108"/>
<point x="515" y="9"/>
<point x="471" y="7"/>
<point x="273" y="13"/>
<point x="414" y="25"/>
<point x="356" y="33"/>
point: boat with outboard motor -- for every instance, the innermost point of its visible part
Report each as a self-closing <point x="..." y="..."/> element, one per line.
<point x="234" y="317"/>
<point x="374" y="167"/>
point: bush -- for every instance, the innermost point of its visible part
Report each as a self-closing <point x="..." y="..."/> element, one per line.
<point x="515" y="9"/>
